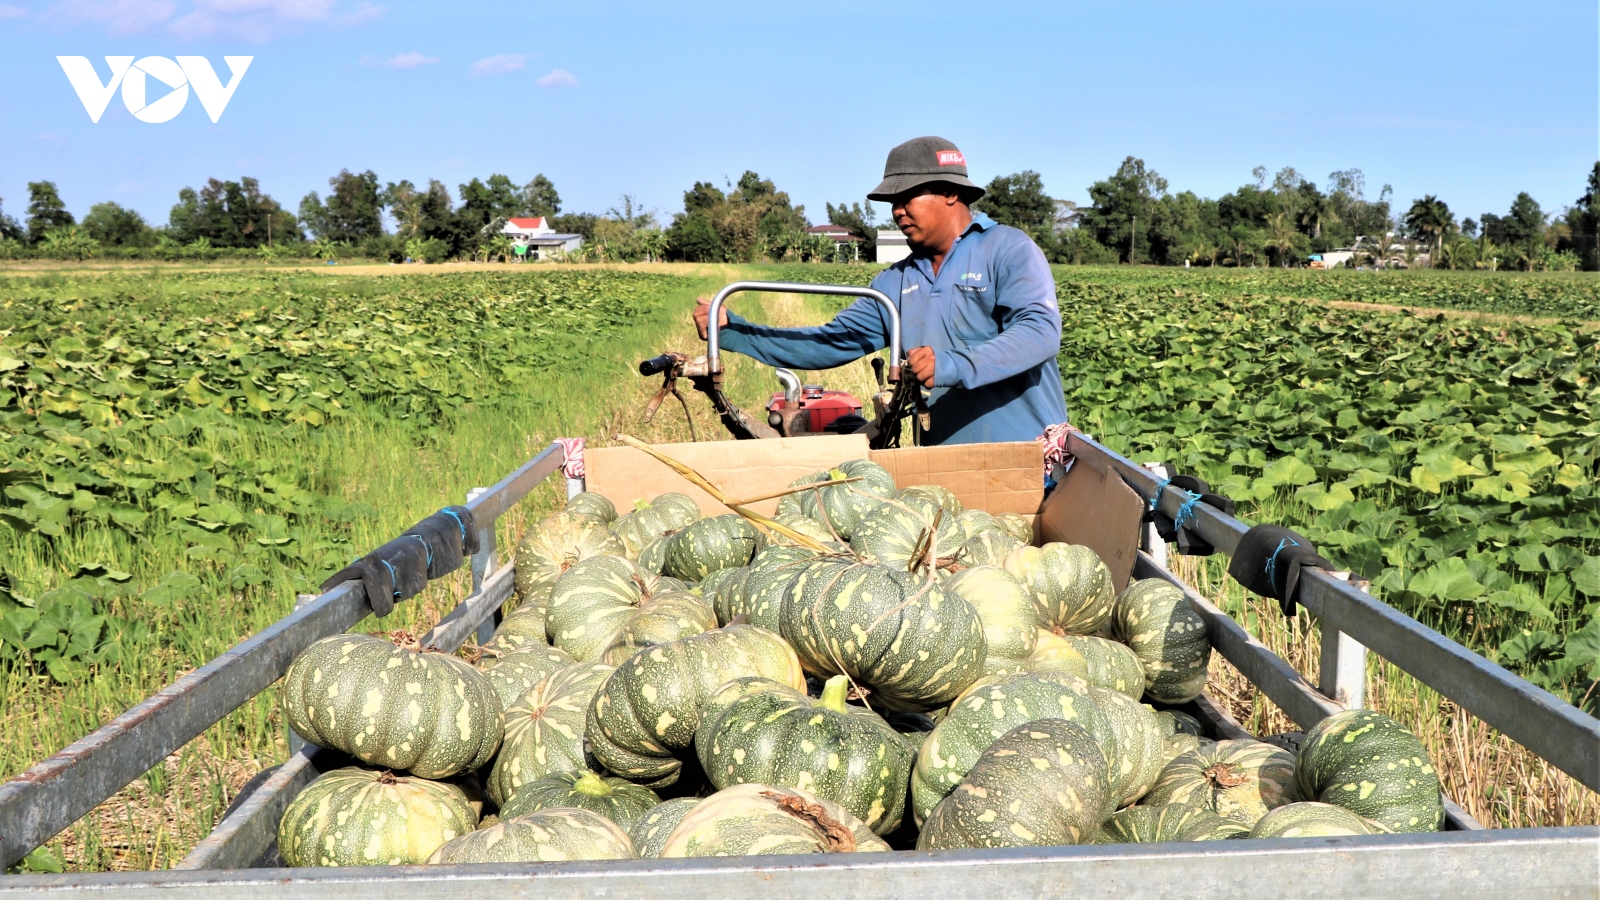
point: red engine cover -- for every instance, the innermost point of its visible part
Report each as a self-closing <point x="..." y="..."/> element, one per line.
<point x="825" y="406"/>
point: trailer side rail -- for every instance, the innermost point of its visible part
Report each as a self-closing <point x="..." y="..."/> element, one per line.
<point x="1552" y="728"/>
<point x="50" y="796"/>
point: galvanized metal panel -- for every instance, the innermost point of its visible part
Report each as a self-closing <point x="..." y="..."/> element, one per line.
<point x="1533" y="717"/>
<point x="453" y="630"/>
<point x="507" y="491"/>
<point x="1532" y="864"/>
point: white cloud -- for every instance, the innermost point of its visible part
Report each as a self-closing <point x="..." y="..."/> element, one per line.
<point x="558" y="78"/>
<point x="7" y="11"/>
<point x="115" y="16"/>
<point x="498" y="64"/>
<point x="408" y="60"/>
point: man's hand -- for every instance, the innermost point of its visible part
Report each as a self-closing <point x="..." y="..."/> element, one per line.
<point x="921" y="361"/>
<point x="702" y="315"/>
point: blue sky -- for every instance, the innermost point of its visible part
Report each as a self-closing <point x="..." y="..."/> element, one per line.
<point x="1471" y="101"/>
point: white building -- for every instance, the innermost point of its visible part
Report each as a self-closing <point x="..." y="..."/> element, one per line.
<point x="840" y="236"/>
<point x="538" y="236"/>
<point x="892" y="246"/>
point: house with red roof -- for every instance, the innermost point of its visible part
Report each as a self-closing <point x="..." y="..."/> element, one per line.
<point x="536" y="235"/>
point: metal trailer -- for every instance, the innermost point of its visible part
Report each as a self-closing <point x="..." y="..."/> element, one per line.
<point x="234" y="860"/>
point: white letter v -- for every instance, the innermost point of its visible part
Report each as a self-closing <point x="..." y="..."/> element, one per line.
<point x="94" y="95"/>
<point x="213" y="96"/>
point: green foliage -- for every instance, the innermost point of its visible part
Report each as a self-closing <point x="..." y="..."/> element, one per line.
<point x="231" y="214"/>
<point x="743" y="224"/>
<point x="46" y="212"/>
<point x="69" y="242"/>
<point x="113" y="225"/>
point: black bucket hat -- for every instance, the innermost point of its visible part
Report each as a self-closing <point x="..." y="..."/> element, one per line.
<point x="924" y="160"/>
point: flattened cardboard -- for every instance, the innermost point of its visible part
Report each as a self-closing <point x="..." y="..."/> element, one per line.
<point x="739" y="468"/>
<point x="996" y="478"/>
<point x="1094" y="508"/>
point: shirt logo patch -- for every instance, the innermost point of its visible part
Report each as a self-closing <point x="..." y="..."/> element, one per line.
<point x="951" y="158"/>
<point x="908" y="290"/>
<point x="971" y="276"/>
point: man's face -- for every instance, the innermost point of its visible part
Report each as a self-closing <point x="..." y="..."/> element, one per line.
<point x="927" y="215"/>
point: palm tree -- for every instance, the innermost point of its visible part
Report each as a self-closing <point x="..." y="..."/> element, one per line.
<point x="1280" y="236"/>
<point x="1431" y="218"/>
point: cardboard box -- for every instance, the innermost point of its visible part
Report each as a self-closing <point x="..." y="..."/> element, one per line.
<point x="1089" y="507"/>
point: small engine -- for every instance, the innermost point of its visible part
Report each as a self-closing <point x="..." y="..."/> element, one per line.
<point x="813" y="410"/>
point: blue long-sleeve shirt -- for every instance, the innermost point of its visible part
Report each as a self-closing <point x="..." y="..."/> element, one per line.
<point x="990" y="316"/>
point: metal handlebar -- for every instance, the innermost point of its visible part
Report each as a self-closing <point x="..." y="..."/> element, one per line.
<point x="714" y="346"/>
<point x="657" y="364"/>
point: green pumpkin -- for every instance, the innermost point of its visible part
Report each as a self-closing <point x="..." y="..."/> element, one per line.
<point x="1110" y="664"/>
<point x="986" y="548"/>
<point x="1041" y="784"/>
<point x="618" y="799"/>
<point x="592" y="505"/>
<point x="941" y="497"/>
<point x="1137" y="756"/>
<point x="1070" y="582"/>
<point x="556" y="544"/>
<point x="653" y="557"/>
<point x="897" y="531"/>
<point x="1017" y="525"/>
<point x="515" y="673"/>
<point x="642" y="721"/>
<point x="544" y="730"/>
<point x="804" y="524"/>
<point x="724" y="589"/>
<point x="549" y="835"/>
<point x="766" y="820"/>
<point x="392" y="706"/>
<point x="1240" y="780"/>
<point x="652" y="519"/>
<point x="974" y="522"/>
<point x="758" y="731"/>
<point x="1009" y="612"/>
<point x="650" y="833"/>
<point x="759" y="593"/>
<point x="914" y="645"/>
<point x="594" y="600"/>
<point x="1053" y="654"/>
<point x="1176" y="721"/>
<point x="1163" y="824"/>
<point x="840" y="507"/>
<point x="1176" y="745"/>
<point x="1311" y="819"/>
<point x="711" y="545"/>
<point x="1375" y="767"/>
<point x="1169" y="638"/>
<point x="989" y="710"/>
<point x="366" y="817"/>
<point x="524" y="625"/>
<point x="659" y="619"/>
<point x="791" y="504"/>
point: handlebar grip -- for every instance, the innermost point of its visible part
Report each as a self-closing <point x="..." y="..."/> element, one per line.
<point x="656" y="365"/>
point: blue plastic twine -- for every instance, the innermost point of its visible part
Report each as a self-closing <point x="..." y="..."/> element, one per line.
<point x="1156" y="497"/>
<point x="394" y="577"/>
<point x="1186" y="511"/>
<point x="452" y="514"/>
<point x="1272" y="561"/>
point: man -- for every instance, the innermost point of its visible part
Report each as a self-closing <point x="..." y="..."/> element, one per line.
<point x="977" y="307"/>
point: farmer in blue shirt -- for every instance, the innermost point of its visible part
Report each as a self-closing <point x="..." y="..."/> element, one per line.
<point x="977" y="307"/>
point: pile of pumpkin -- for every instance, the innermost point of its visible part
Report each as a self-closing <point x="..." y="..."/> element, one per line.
<point x="874" y="668"/>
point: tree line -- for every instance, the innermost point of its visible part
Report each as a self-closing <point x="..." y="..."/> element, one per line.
<point x="1281" y="219"/>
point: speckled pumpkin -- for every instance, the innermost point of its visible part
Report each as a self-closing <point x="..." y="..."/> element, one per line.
<point x="1110" y="664"/>
<point x="1072" y="585"/>
<point x="1167" y="636"/>
<point x="595" y="506"/>
<point x="618" y="799"/>
<point x="1043" y="783"/>
<point x="940" y="496"/>
<point x="544" y="729"/>
<point x="369" y="817"/>
<point x="515" y="673"/>
<point x="1241" y="780"/>
<point x="1009" y="612"/>
<point x="650" y="833"/>
<point x="593" y="601"/>
<point x="1137" y="757"/>
<point x="710" y="545"/>
<point x="642" y="721"/>
<point x="553" y="546"/>
<point x="549" y="835"/>
<point x="526" y="624"/>
<point x="986" y="548"/>
<point x="657" y="620"/>
<point x="1053" y="654"/>
<point x="974" y="522"/>
<point x="764" y="820"/>
<point x="900" y="533"/>
<point x="907" y="639"/>
<point x="758" y="731"/>
<point x="1161" y="824"/>
<point x="1311" y="819"/>
<point x="651" y="519"/>
<point x="989" y="710"/>
<point x="393" y="706"/>
<point x="1017" y="525"/>
<point x="804" y="524"/>
<point x="1368" y="763"/>
<point x="758" y="593"/>
<point x="840" y="507"/>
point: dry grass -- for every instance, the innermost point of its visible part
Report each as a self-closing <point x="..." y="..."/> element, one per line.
<point x="1499" y="782"/>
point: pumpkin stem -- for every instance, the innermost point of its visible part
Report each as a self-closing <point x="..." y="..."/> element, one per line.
<point x="834" y="692"/>
<point x="1226" y="775"/>
<point x="387" y="778"/>
<point x="640" y="503"/>
<point x="593" y="785"/>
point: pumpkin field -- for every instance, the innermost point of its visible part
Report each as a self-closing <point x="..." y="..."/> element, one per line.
<point x="186" y="450"/>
